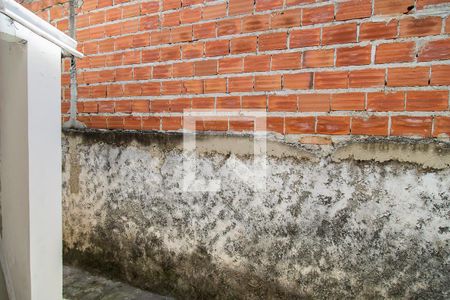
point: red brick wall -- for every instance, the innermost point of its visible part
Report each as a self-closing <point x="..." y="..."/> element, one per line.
<point x="319" y="68"/>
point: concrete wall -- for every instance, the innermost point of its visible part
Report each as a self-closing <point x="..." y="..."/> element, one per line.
<point x="362" y="218"/>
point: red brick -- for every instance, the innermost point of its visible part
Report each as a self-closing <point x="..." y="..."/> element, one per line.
<point x="372" y="125"/>
<point x="171" y="87"/>
<point x="440" y="75"/>
<point x="408" y="76"/>
<point x="97" y="18"/>
<point x="180" y="105"/>
<point x="194" y="50"/>
<point x="211" y="124"/>
<point x="141" y="40"/>
<point x="392" y="7"/>
<point x="314" y="102"/>
<point x="171" y="4"/>
<point x="191" y="15"/>
<point x="441" y="126"/>
<point x="160" y="37"/>
<point x="151" y="89"/>
<point x="318" y="58"/>
<point x="331" y="80"/>
<point x="203" y="103"/>
<point x="242" y="124"/>
<point x="267" y="82"/>
<point x="123" y="42"/>
<point x="274" y="124"/>
<point x="226" y="103"/>
<point x="132" y="123"/>
<point x="420" y="26"/>
<point x="447" y="25"/>
<point x="304" y="38"/>
<point x="237" y="7"/>
<point x="105" y="106"/>
<point x="316" y="15"/>
<point x="185" y="69"/>
<point x="160" y="106"/>
<point x="353" y="9"/>
<point x="140" y="106"/>
<point x="300" y="125"/>
<point x="104" y="3"/>
<point x="151" y="55"/>
<point x="123" y="74"/>
<point x="192" y="2"/>
<point x="257" y="63"/>
<point x="285" y="19"/>
<point x="193" y="87"/>
<point x="151" y="123"/>
<point x="353" y="56"/>
<point x="286" y="61"/>
<point x="254" y="102"/>
<point x="132" y="10"/>
<point x="90" y="107"/>
<point x="435" y="50"/>
<point x="240" y="84"/>
<point x="243" y="44"/>
<point x="214" y="11"/>
<point x="132" y="90"/>
<point x="386" y="101"/>
<point x="272" y="41"/>
<point x="98" y="122"/>
<point x="115" y="90"/>
<point x="141" y="73"/>
<point x="171" y="123"/>
<point x="378" y="30"/>
<point x="230" y="65"/>
<point x="148" y="23"/>
<point x="339" y="34"/>
<point x="282" y="103"/>
<point x="131" y="57"/>
<point x="206" y="67"/>
<point x="395" y="52"/>
<point x="114" y="122"/>
<point x="162" y="71"/>
<point x="262" y="5"/>
<point x="205" y="30"/>
<point x="65" y="107"/>
<point x="181" y="34"/>
<point x="367" y="78"/>
<point x="217" y="48"/>
<point x="255" y="23"/>
<point x="228" y="27"/>
<point x="301" y="81"/>
<point x="149" y="7"/>
<point x="112" y="14"/>
<point x="333" y="125"/>
<point x="411" y="126"/>
<point x="215" y="85"/>
<point x="347" y="101"/>
<point x="426" y="100"/>
<point x="123" y="106"/>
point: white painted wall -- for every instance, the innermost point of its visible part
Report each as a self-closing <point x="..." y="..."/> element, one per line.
<point x="30" y="137"/>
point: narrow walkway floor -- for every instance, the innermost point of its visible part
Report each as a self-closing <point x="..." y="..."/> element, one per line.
<point x="81" y="285"/>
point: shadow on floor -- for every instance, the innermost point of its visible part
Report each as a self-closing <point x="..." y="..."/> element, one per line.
<point x="79" y="284"/>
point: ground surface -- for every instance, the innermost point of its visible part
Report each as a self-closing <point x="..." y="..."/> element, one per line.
<point x="79" y="284"/>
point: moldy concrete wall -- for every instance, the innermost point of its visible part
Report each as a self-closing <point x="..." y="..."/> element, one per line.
<point x="362" y="218"/>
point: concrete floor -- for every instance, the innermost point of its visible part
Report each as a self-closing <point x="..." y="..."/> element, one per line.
<point x="79" y="284"/>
